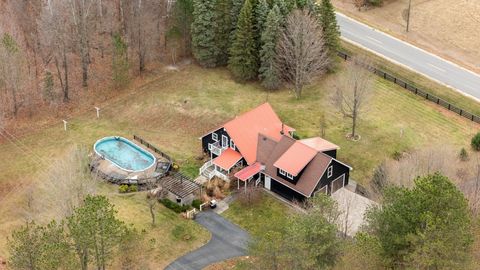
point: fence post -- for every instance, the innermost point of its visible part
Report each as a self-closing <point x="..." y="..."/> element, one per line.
<point x="395" y="79"/>
<point x="416" y="91"/>
<point x="461" y="111"/>
<point x="449" y="106"/>
<point x="426" y="96"/>
<point x="438" y="101"/>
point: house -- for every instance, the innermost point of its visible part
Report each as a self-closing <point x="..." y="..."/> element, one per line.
<point x="263" y="148"/>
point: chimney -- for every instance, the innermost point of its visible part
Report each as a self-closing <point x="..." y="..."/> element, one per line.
<point x="281" y="131"/>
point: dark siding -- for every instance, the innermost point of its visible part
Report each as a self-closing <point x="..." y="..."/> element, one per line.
<point x="286" y="192"/>
<point x="294" y="180"/>
<point x="338" y="170"/>
<point x="208" y="139"/>
<point x="332" y="153"/>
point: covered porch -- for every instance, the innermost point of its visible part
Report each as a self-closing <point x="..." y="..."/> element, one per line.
<point x="222" y="165"/>
<point x="247" y="174"/>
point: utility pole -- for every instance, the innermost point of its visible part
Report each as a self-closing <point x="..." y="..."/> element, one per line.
<point x="408" y="13"/>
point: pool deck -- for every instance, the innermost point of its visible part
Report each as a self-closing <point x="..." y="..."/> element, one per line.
<point x="107" y="167"/>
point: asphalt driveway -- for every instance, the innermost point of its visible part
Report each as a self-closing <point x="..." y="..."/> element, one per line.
<point x="228" y="241"/>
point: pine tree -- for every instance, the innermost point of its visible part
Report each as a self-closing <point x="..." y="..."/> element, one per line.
<point x="331" y="32"/>
<point x="236" y="6"/>
<point x="203" y="32"/>
<point x="268" y="72"/>
<point x="261" y="13"/>
<point x="222" y="35"/>
<point x="243" y="59"/>
<point x="284" y="11"/>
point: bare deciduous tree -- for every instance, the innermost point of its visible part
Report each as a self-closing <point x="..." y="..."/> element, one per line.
<point x="68" y="184"/>
<point x="353" y="91"/>
<point x="11" y="70"/>
<point x="301" y="51"/>
<point x="56" y="42"/>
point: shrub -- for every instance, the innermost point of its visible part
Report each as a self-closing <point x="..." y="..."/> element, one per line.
<point x="476" y="142"/>
<point x="123" y="188"/>
<point x="463" y="154"/>
<point x="397" y="155"/>
<point x="133" y="188"/>
<point x="375" y="3"/>
<point x="196" y="203"/>
<point x="296" y="136"/>
<point x="177" y="208"/>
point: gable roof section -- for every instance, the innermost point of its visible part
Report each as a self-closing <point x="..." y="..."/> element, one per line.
<point x="320" y="144"/>
<point x="244" y="129"/>
<point x="295" y="158"/>
<point x="310" y="176"/>
<point x="227" y="159"/>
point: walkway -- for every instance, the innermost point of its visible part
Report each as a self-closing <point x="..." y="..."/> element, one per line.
<point x="228" y="241"/>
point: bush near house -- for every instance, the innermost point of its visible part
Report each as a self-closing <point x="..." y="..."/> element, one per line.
<point x="177" y="208"/>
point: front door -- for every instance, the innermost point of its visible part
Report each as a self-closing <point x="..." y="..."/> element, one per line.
<point x="224" y="141"/>
<point x="267" y="182"/>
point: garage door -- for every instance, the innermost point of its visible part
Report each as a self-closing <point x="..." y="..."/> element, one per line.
<point x="338" y="183"/>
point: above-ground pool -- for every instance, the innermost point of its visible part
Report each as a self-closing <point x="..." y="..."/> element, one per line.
<point x="124" y="154"/>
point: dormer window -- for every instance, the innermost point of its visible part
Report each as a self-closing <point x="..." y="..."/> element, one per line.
<point x="282" y="172"/>
<point x="232" y="144"/>
<point x="329" y="171"/>
<point x="215" y="137"/>
<point x="289" y="176"/>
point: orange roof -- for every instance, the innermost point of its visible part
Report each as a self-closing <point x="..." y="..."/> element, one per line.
<point x="249" y="171"/>
<point x="245" y="128"/>
<point x="319" y="144"/>
<point x="227" y="159"/>
<point x="295" y="158"/>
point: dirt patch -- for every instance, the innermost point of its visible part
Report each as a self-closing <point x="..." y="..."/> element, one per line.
<point x="435" y="25"/>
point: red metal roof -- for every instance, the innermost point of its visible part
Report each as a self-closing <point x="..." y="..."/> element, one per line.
<point x="245" y="128"/>
<point x="227" y="159"/>
<point x="319" y="144"/>
<point x="295" y="158"/>
<point x="249" y="171"/>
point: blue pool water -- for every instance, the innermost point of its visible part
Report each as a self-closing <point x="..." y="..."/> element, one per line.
<point x="124" y="153"/>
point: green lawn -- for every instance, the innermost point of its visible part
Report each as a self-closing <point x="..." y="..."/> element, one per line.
<point x="173" y="111"/>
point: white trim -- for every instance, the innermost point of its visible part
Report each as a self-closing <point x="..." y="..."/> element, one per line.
<point x="343" y="164"/>
<point x="232" y="144"/>
<point x="289" y="176"/>
<point x="282" y="172"/>
<point x="286" y="186"/>
<point x="215" y="138"/>
<point x="316" y="184"/>
<point x="329" y="171"/>
<point x="209" y="147"/>
<point x="226" y="140"/>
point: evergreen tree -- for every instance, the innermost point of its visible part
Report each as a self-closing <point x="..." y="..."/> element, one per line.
<point x="204" y="45"/>
<point x="261" y="13"/>
<point x="236" y="6"/>
<point x="268" y="72"/>
<point x="119" y="62"/>
<point x="223" y="20"/>
<point x="243" y="59"/>
<point x="284" y="11"/>
<point x="331" y="32"/>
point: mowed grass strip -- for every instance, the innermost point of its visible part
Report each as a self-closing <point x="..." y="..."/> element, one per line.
<point x="175" y="110"/>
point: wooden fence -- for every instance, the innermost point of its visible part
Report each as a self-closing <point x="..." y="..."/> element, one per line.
<point x="153" y="148"/>
<point x="412" y="88"/>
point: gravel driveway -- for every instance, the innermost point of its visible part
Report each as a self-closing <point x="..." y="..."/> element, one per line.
<point x="228" y="241"/>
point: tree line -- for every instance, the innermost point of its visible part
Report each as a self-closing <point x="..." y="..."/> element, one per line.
<point x="55" y="48"/>
<point x="277" y="41"/>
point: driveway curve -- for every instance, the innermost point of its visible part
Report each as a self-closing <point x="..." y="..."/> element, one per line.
<point x="228" y="241"/>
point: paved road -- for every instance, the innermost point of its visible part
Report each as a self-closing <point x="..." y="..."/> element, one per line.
<point x="228" y="241"/>
<point x="403" y="53"/>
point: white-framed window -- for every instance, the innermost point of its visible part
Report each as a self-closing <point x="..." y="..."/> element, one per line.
<point x="282" y="172"/>
<point x="329" y="171"/>
<point x="224" y="141"/>
<point x="289" y="176"/>
<point x="232" y="144"/>
<point x="215" y="137"/>
<point x="210" y="146"/>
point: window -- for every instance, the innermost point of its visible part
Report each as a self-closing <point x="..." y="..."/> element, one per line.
<point x="329" y="171"/>
<point x="232" y="144"/>
<point x="215" y="137"/>
<point x="282" y="172"/>
<point x="210" y="146"/>
<point x="290" y="176"/>
<point x="224" y="141"/>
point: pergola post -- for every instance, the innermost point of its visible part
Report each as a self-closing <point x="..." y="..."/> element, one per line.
<point x="238" y="183"/>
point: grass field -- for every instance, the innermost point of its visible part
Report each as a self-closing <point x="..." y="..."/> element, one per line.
<point x="174" y="110"/>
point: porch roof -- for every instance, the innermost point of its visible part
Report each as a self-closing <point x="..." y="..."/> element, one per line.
<point x="227" y="159"/>
<point x="249" y="171"/>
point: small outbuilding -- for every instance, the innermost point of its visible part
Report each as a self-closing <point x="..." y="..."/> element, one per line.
<point x="179" y="188"/>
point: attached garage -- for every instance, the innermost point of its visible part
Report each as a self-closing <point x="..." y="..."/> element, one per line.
<point x="285" y="191"/>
